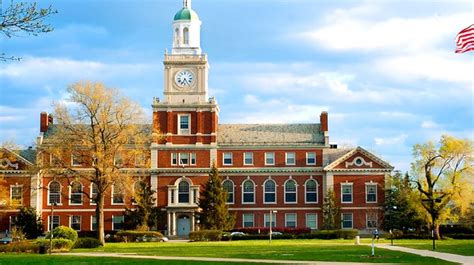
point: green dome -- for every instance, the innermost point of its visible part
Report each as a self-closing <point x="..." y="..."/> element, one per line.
<point x="186" y="14"/>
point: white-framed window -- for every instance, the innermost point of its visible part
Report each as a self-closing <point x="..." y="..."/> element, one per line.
<point x="311" y="191"/>
<point x="174" y="159"/>
<point x="248" y="158"/>
<point x="183" y="192"/>
<point x="269" y="191"/>
<point x="75" y="222"/>
<point x="117" y="222"/>
<point x="185" y="36"/>
<point x="118" y="194"/>
<point x="75" y="159"/>
<point x="75" y="193"/>
<point x="184" y="124"/>
<point x="290" y="158"/>
<point x="347" y="221"/>
<point x="16" y="194"/>
<point x="228" y="186"/>
<point x="371" y="220"/>
<point x="227" y="159"/>
<point x="54" y="193"/>
<point x="193" y="158"/>
<point x="93" y="223"/>
<point x="346" y="192"/>
<point x="312" y="220"/>
<point x="54" y="160"/>
<point x="248" y="191"/>
<point x="290" y="191"/>
<point x="140" y="159"/>
<point x="290" y="220"/>
<point x="248" y="220"/>
<point x="371" y="193"/>
<point x="55" y="221"/>
<point x="118" y="159"/>
<point x="310" y="158"/>
<point x="94" y="191"/>
<point x="269" y="158"/>
<point x="266" y="220"/>
<point x="183" y="159"/>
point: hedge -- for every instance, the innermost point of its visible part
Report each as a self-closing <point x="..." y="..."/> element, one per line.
<point x="266" y="230"/>
<point x="206" y="235"/>
<point x="459" y="236"/>
<point x="58" y="243"/>
<point x="64" y="232"/>
<point x="132" y="235"/>
<point x="87" y="242"/>
<point x="20" y="247"/>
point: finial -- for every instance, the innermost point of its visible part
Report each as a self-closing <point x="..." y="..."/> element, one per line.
<point x="187" y="4"/>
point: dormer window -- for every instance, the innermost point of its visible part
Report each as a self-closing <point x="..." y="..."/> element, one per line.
<point x="184" y="124"/>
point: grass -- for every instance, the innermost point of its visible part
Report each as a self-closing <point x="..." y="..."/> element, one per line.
<point x="461" y="247"/>
<point x="314" y="250"/>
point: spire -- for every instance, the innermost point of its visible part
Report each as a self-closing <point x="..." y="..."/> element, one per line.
<point x="187" y="4"/>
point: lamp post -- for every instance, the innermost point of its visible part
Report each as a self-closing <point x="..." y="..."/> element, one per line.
<point x="271" y="213"/>
<point x="51" y="228"/>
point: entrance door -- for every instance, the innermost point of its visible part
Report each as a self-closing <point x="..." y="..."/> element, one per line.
<point x="184" y="225"/>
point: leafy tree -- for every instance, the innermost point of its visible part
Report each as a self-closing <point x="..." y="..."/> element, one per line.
<point x="29" y="222"/>
<point x="104" y="132"/>
<point x="142" y="217"/>
<point x="331" y="211"/>
<point x="23" y="18"/>
<point x="443" y="179"/>
<point x="215" y="212"/>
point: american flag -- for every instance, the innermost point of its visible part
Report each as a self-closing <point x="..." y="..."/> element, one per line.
<point x="465" y="40"/>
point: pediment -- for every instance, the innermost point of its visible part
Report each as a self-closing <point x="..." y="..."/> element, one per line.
<point x="9" y="160"/>
<point x="359" y="159"/>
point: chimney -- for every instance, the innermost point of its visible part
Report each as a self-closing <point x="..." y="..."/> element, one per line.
<point x="324" y="121"/>
<point x="44" y="122"/>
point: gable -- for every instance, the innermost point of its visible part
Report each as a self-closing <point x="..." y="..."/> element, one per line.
<point x="9" y="160"/>
<point x="359" y="159"/>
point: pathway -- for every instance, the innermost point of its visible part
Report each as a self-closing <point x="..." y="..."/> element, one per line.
<point x="467" y="260"/>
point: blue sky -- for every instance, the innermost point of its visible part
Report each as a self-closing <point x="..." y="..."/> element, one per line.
<point x="384" y="70"/>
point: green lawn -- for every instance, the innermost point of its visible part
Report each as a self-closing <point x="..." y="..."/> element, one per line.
<point x="317" y="250"/>
<point x="460" y="247"/>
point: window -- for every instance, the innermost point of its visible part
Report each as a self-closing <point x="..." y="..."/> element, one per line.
<point x="137" y="190"/>
<point x="290" y="220"/>
<point x="249" y="192"/>
<point x="117" y="222"/>
<point x="75" y="159"/>
<point x="228" y="186"/>
<point x="227" y="159"/>
<point x="176" y="36"/>
<point x="140" y="159"/>
<point x="193" y="158"/>
<point x="117" y="194"/>
<point x="247" y="220"/>
<point x="347" y="220"/>
<point x="94" y="192"/>
<point x="54" y="190"/>
<point x="266" y="219"/>
<point x="118" y="160"/>
<point x="174" y="159"/>
<point x="248" y="158"/>
<point x="184" y="124"/>
<point x="371" y="193"/>
<point x="311" y="187"/>
<point x="183" y="192"/>
<point x="16" y="195"/>
<point x="54" y="160"/>
<point x="93" y="223"/>
<point x="312" y="220"/>
<point x="75" y="222"/>
<point x="290" y="158"/>
<point x="269" y="191"/>
<point x="76" y="193"/>
<point x="183" y="159"/>
<point x="290" y="191"/>
<point x="269" y="158"/>
<point x="371" y="220"/>
<point x="54" y="222"/>
<point x="186" y="36"/>
<point x="346" y="193"/>
<point x="311" y="158"/>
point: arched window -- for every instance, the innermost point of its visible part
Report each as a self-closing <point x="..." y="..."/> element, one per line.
<point x="76" y="193"/>
<point x="290" y="191"/>
<point x="54" y="190"/>
<point x="186" y="36"/>
<point x="248" y="191"/>
<point x="311" y="187"/>
<point x="183" y="192"/>
<point x="176" y="36"/>
<point x="228" y="186"/>
<point x="269" y="191"/>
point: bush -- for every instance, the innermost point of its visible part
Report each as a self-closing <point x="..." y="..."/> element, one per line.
<point x="58" y="243"/>
<point x="347" y="233"/>
<point x="459" y="236"/>
<point x="65" y="233"/>
<point x="133" y="235"/>
<point x="87" y="242"/>
<point x="20" y="247"/>
<point x="29" y="222"/>
<point x="206" y="235"/>
<point x="456" y="229"/>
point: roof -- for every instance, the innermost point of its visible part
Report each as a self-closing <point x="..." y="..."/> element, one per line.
<point x="186" y="14"/>
<point x="342" y="156"/>
<point x="269" y="134"/>
<point x="331" y="155"/>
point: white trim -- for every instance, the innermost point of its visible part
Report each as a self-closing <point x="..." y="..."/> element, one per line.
<point x="367" y="220"/>
<point x="113" y="224"/>
<point x="179" y="125"/>
<point x="296" y="191"/>
<point x="316" y="220"/>
<point x="72" y="211"/>
<point x="317" y="191"/>
<point x="268" y="164"/>
<point x="307" y="157"/>
<point x="286" y="159"/>
<point x="251" y="156"/>
<point x="342" y="221"/>
<point x="70" y="194"/>
<point x="358" y="161"/>
<point x="49" y="192"/>
<point x="91" y="202"/>
<point x="49" y="221"/>
<point x="112" y="196"/>
<point x="243" y="193"/>
<point x="80" y="222"/>
<point x="233" y="190"/>
<point x="376" y="192"/>
<point x="174" y="156"/>
<point x="266" y="216"/>
<point x="253" y="219"/>
<point x="192" y="156"/>
<point x="312" y="208"/>
<point x="72" y="161"/>
<point x="11" y="194"/>
<point x="264" y="191"/>
<point x="296" y="219"/>
<point x="231" y="158"/>
<point x="180" y="159"/>
<point x="91" y="223"/>
<point x="352" y="192"/>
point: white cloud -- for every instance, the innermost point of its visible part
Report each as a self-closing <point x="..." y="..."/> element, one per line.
<point x="396" y="140"/>
<point x="251" y="99"/>
<point x="429" y="125"/>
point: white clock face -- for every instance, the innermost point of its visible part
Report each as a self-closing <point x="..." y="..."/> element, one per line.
<point x="184" y="78"/>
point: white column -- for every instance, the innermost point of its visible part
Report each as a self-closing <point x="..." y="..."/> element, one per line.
<point x="154" y="159"/>
<point x="173" y="220"/>
<point x="191" y="196"/>
<point x="169" y="223"/>
<point x="154" y="186"/>
<point x="192" y="222"/>
<point x="328" y="183"/>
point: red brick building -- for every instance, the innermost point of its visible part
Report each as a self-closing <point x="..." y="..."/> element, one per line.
<point x="287" y="168"/>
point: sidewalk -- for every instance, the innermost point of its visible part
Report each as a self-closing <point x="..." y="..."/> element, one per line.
<point x="217" y="260"/>
<point x="467" y="260"/>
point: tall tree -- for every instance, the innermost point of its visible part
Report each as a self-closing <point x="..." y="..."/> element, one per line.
<point x="141" y="216"/>
<point x="331" y="211"/>
<point x="23" y="18"/>
<point x="215" y="211"/>
<point x="444" y="174"/>
<point x="29" y="222"/>
<point x="101" y="130"/>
